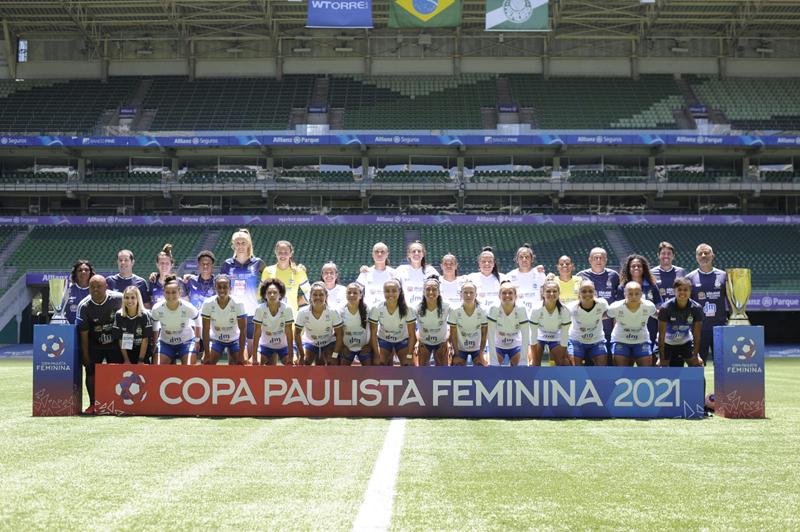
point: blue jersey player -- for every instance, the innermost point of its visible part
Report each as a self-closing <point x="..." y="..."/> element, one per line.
<point x="125" y="278"/>
<point x="666" y="273"/>
<point x="244" y="270"/>
<point x="708" y="289"/>
<point x="82" y="271"/>
<point x="680" y="324"/>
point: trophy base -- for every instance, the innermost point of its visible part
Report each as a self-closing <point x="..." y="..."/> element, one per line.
<point x="739" y="321"/>
<point x="59" y="320"/>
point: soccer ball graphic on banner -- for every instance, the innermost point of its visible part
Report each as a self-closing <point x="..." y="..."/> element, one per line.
<point x="53" y="346"/>
<point x="131" y="388"/>
<point x="744" y="348"/>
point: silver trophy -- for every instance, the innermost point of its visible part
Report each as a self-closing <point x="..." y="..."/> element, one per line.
<point x="59" y="295"/>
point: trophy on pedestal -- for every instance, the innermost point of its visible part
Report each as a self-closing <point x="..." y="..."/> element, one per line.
<point x="738" y="288"/>
<point x="59" y="294"/>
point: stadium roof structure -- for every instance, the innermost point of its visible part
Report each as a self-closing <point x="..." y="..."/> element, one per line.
<point x="97" y="20"/>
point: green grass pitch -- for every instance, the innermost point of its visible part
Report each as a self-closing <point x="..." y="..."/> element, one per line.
<point x="153" y="473"/>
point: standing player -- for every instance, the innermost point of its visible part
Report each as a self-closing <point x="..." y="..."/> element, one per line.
<point x="412" y="276"/>
<point x="606" y="282"/>
<point x="165" y="262"/>
<point x="133" y="327"/>
<point x="487" y="279"/>
<point x="432" y="324"/>
<point x="201" y="286"/>
<point x="273" y="338"/>
<point x="318" y="330"/>
<point x="527" y="279"/>
<point x="392" y="327"/>
<point x="636" y="268"/>
<point x="666" y="273"/>
<point x="630" y="340"/>
<point x="178" y="334"/>
<point x="292" y="275"/>
<point x="567" y="283"/>
<point x="82" y="271"/>
<point x="586" y="337"/>
<point x="509" y="332"/>
<point x="550" y="328"/>
<point x="244" y="270"/>
<point x="355" y="320"/>
<point x="337" y="294"/>
<point x="469" y="328"/>
<point x="224" y="325"/>
<point x="680" y="322"/>
<point x="125" y="278"/>
<point x="708" y="289"/>
<point x="450" y="282"/>
<point x="373" y="278"/>
<point x="95" y="322"/>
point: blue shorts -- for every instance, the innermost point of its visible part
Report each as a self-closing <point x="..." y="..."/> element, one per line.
<point x="267" y="351"/>
<point x="581" y="350"/>
<point x="353" y="354"/>
<point x="318" y="348"/>
<point x="393" y="346"/>
<point x="219" y="347"/>
<point x="466" y="354"/>
<point x="433" y="348"/>
<point x="631" y="350"/>
<point x="549" y="345"/>
<point x="176" y="352"/>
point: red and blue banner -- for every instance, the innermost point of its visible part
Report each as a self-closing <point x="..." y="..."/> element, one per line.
<point x="739" y="371"/>
<point x="522" y="392"/>
<point x="57" y="371"/>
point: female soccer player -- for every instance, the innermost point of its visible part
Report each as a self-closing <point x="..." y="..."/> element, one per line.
<point x="134" y="327"/>
<point x="273" y="336"/>
<point x="636" y="268"/>
<point x="318" y="330"/>
<point x="201" y="286"/>
<point x="292" y="275"/>
<point x="337" y="294"/>
<point x="165" y="262"/>
<point x="82" y="271"/>
<point x="178" y="335"/>
<point x="450" y="283"/>
<point x="567" y="283"/>
<point x="487" y="279"/>
<point x="244" y="269"/>
<point x="469" y="328"/>
<point x="355" y="320"/>
<point x="509" y="332"/>
<point x="527" y="278"/>
<point x="680" y="327"/>
<point x="550" y="328"/>
<point x="432" y="323"/>
<point x="666" y="273"/>
<point x="630" y="341"/>
<point x="392" y="329"/>
<point x="372" y="278"/>
<point x="224" y="325"/>
<point x="412" y="276"/>
<point x="587" y="340"/>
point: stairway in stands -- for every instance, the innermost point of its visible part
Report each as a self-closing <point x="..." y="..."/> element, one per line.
<point x="619" y="244"/>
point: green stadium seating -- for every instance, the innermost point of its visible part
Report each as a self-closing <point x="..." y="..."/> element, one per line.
<point x="223" y="176"/>
<point x="414" y="176"/>
<point x="123" y="177"/>
<point x="510" y="176"/>
<point x="608" y="176"/>
<point x="314" y="176"/>
<point x="25" y="177"/>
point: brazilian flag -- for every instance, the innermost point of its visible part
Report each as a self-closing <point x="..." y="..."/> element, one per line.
<point x="424" y="13"/>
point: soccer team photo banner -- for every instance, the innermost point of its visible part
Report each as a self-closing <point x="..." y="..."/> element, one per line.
<point x="424" y="13"/>
<point x="517" y="15"/>
<point x="339" y="14"/>
<point x="499" y="392"/>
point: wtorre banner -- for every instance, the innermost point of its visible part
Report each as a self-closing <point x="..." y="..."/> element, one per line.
<point x="339" y="14"/>
<point x="523" y="392"/>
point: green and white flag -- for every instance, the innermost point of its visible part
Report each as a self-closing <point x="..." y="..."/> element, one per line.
<point x="516" y="15"/>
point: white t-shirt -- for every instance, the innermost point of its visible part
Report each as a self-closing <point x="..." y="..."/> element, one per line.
<point x="451" y="290"/>
<point x="630" y="327"/>
<point x="273" y="328"/>
<point x="508" y="327"/>
<point x="372" y="280"/>
<point x="488" y="289"/>
<point x="355" y="336"/>
<point x="413" y="281"/>
<point x="175" y="326"/>
<point x="432" y="327"/>
<point x="391" y="326"/>
<point x="587" y="325"/>
<point x="529" y="286"/>
<point x="318" y="331"/>
<point x="468" y="327"/>
<point x="224" y="321"/>
<point x="337" y="297"/>
<point x="550" y="326"/>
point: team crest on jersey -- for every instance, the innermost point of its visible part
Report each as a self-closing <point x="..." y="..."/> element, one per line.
<point x="608" y="283"/>
<point x="716" y="284"/>
<point x="701" y="295"/>
<point x="138" y="331"/>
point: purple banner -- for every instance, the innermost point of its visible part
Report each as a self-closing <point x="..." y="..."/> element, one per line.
<point x="739" y="371"/>
<point x="57" y="371"/>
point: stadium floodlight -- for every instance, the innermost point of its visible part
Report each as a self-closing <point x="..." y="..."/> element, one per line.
<point x="679" y="50"/>
<point x="301" y="50"/>
<point x="343" y="49"/>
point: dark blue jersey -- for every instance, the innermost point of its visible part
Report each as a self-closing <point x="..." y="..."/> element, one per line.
<point x="76" y="295"/>
<point x="666" y="279"/>
<point x="650" y="292"/>
<point x="119" y="283"/>
<point x="198" y="290"/>
<point x="680" y="321"/>
<point x="708" y="289"/>
<point x="245" y="280"/>
<point x="606" y="284"/>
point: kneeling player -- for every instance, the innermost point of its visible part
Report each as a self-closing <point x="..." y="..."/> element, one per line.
<point x="630" y="340"/>
<point x="272" y="326"/>
<point x="509" y="332"/>
<point x="318" y="330"/>
<point x="680" y="324"/>
<point x="550" y="327"/>
<point x="224" y="324"/>
<point x="432" y="325"/>
<point x="586" y="337"/>
<point x="468" y="328"/>
<point x="355" y="321"/>
<point x="177" y="335"/>
<point x="391" y="327"/>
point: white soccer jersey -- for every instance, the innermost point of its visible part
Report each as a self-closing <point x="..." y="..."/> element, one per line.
<point x="451" y="290"/>
<point x="468" y="327"/>
<point x="432" y="327"/>
<point x="488" y="289"/>
<point x="549" y="326"/>
<point x="337" y="297"/>
<point x="630" y="327"/>
<point x="355" y="336"/>
<point x="318" y="331"/>
<point x="372" y="280"/>
<point x="391" y="326"/>
<point x="413" y="281"/>
<point x="273" y="328"/>
<point x="587" y="325"/>
<point x="508" y="327"/>
<point x="175" y="326"/>
<point x="529" y="287"/>
<point x="224" y="321"/>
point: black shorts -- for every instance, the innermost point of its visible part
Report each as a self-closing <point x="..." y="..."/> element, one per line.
<point x="683" y="351"/>
<point x="98" y="356"/>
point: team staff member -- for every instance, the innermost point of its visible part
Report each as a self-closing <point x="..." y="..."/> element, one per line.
<point x="82" y="271"/>
<point x="224" y="325"/>
<point x="708" y="289"/>
<point x="96" y="325"/>
<point x="680" y="323"/>
<point x="133" y="327"/>
<point x="605" y="280"/>
<point x="291" y="274"/>
<point x="244" y="270"/>
<point x="666" y="273"/>
<point x="125" y="278"/>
